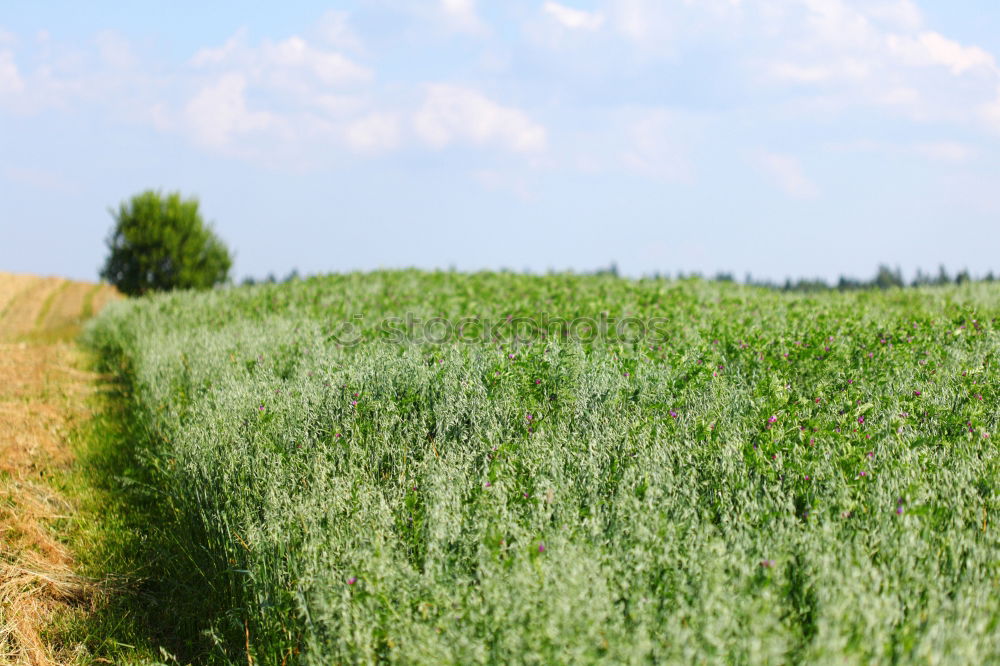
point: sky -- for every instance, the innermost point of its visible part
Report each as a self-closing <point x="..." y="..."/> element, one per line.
<point x="780" y="138"/>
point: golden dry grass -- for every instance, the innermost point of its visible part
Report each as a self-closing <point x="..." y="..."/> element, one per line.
<point x="43" y="395"/>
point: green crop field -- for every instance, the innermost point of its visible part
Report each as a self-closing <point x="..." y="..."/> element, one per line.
<point x="493" y="468"/>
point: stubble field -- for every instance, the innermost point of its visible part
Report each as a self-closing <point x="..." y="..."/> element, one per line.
<point x="44" y="392"/>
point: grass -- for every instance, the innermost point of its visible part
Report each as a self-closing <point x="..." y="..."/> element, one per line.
<point x="134" y="615"/>
<point x="87" y="310"/>
<point x="759" y="478"/>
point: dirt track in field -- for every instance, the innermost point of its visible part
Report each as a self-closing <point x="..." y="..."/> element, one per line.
<point x="44" y="391"/>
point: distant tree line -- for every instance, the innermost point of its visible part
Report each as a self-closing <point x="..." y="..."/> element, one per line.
<point x="293" y="276"/>
<point x="884" y="278"/>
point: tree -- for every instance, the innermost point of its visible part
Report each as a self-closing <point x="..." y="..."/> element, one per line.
<point x="886" y="277"/>
<point x="161" y="243"/>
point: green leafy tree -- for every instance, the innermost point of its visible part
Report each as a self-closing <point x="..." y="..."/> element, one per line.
<point x="161" y="243"/>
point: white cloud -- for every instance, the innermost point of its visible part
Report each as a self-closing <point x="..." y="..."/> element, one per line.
<point x="901" y="96"/>
<point x="656" y="148"/>
<point x="101" y="72"/>
<point x="868" y="54"/>
<point x="115" y="51"/>
<point x="7" y="38"/>
<point x="335" y="29"/>
<point x="945" y="151"/>
<point x="786" y="172"/>
<point x="10" y="77"/>
<point x="848" y="68"/>
<point x="837" y="23"/>
<point x="305" y="96"/>
<point x="340" y="106"/>
<point x="276" y="61"/>
<point x="160" y="118"/>
<point x="645" y="23"/>
<point x="451" y="114"/>
<point x="989" y="112"/>
<point x="373" y="133"/>
<point x="574" y="19"/>
<point x="329" y="67"/>
<point x="931" y="48"/>
<point x="220" y="111"/>
<point x="461" y="15"/>
<point x="220" y="54"/>
<point x="900" y="15"/>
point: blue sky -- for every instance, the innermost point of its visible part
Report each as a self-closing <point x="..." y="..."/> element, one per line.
<point x="776" y="137"/>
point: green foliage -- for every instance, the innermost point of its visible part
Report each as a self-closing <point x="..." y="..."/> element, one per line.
<point x="161" y="243"/>
<point x="765" y="478"/>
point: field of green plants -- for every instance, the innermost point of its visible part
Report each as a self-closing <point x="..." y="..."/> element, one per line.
<point x="494" y="468"/>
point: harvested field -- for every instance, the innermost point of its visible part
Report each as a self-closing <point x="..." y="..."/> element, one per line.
<point x="43" y="395"/>
<point x="47" y="309"/>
